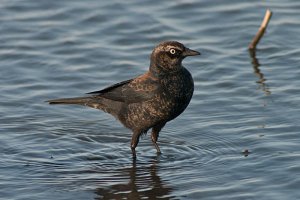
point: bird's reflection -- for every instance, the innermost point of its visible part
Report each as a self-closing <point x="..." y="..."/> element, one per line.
<point x="144" y="183"/>
<point x="261" y="81"/>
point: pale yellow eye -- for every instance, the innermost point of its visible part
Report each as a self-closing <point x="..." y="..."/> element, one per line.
<point x="172" y="51"/>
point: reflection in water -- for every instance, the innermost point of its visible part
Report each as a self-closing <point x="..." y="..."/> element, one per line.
<point x="257" y="71"/>
<point x="144" y="183"/>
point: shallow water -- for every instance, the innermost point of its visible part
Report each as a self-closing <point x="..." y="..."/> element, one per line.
<point x="52" y="49"/>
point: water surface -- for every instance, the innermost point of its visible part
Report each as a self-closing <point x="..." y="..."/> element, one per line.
<point x="52" y="49"/>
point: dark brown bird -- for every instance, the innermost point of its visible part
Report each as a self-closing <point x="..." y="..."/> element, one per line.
<point x="150" y="100"/>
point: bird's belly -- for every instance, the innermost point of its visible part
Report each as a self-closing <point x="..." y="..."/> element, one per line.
<point x="161" y="109"/>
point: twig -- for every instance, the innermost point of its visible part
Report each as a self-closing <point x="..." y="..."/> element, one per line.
<point x="252" y="52"/>
<point x="261" y="30"/>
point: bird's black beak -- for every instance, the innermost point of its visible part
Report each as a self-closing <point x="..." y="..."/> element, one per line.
<point x="190" y="52"/>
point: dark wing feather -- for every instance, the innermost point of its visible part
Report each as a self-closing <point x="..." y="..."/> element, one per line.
<point x="109" y="88"/>
<point x="135" y="90"/>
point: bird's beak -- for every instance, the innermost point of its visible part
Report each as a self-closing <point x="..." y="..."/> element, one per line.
<point x="190" y="52"/>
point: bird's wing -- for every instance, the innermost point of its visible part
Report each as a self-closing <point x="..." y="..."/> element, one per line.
<point x="135" y="90"/>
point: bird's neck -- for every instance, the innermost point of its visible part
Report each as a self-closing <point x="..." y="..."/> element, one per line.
<point x="155" y="70"/>
<point x="159" y="71"/>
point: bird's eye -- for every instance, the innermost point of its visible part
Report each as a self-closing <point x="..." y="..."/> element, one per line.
<point x="173" y="51"/>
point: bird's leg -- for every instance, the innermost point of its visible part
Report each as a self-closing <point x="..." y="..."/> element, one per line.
<point x="134" y="142"/>
<point x="155" y="134"/>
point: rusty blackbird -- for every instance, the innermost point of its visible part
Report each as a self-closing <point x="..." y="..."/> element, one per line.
<point x="150" y="100"/>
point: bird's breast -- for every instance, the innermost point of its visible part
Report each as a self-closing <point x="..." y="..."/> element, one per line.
<point x="177" y="91"/>
<point x="171" y="98"/>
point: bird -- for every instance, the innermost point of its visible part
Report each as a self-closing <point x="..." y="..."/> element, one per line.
<point x="150" y="100"/>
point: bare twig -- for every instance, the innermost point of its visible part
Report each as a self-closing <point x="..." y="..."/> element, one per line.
<point x="261" y="30"/>
<point x="252" y="52"/>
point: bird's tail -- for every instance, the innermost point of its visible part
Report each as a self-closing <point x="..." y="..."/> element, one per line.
<point x="109" y="106"/>
<point x="76" y="100"/>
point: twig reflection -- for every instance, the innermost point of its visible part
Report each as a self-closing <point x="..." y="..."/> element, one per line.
<point x="258" y="73"/>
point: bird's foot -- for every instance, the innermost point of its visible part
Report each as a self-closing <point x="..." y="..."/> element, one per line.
<point x="133" y="153"/>
<point x="157" y="148"/>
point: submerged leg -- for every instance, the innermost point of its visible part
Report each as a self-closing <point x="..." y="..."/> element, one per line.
<point x="134" y="142"/>
<point x="155" y="134"/>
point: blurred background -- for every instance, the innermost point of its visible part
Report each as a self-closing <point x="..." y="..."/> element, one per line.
<point x="238" y="139"/>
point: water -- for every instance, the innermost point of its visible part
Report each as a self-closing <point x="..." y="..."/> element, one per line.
<point x="52" y="49"/>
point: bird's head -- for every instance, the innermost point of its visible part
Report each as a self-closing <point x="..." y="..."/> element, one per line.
<point x="167" y="57"/>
